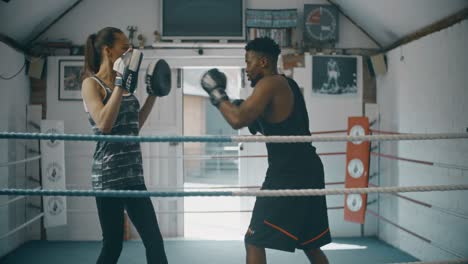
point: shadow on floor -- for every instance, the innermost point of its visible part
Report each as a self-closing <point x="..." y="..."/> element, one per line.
<point x="181" y="251"/>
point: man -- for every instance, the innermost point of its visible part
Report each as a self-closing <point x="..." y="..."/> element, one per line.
<point x="277" y="107"/>
<point x="333" y="73"/>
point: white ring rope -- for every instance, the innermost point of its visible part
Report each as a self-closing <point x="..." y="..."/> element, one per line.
<point x="450" y="166"/>
<point x="177" y="211"/>
<point x="22" y="226"/>
<point x="450" y="212"/>
<point x="317" y="192"/>
<point x="295" y="139"/>
<point x="257" y="193"/>
<point x="19" y="161"/>
<point x="272" y="139"/>
<point x="182" y="188"/>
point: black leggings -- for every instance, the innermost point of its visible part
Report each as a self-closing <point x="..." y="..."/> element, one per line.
<point x="143" y="217"/>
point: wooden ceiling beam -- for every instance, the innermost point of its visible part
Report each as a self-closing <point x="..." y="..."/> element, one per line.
<point x="434" y="27"/>
<point x="54" y="21"/>
<point x="12" y="43"/>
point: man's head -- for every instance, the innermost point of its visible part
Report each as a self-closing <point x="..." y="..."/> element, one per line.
<point x="261" y="58"/>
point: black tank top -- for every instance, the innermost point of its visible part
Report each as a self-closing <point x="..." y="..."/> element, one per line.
<point x="286" y="159"/>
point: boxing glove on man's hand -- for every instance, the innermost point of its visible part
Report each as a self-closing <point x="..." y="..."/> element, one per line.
<point x="214" y="83"/>
<point x="126" y="68"/>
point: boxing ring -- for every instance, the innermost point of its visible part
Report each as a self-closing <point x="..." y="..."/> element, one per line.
<point x="253" y="191"/>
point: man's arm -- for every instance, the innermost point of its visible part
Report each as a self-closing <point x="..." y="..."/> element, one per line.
<point x="252" y="108"/>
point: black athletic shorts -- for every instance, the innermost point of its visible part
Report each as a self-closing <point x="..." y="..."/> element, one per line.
<point x="287" y="223"/>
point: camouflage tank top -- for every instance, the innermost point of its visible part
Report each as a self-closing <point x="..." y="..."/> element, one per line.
<point x="118" y="165"/>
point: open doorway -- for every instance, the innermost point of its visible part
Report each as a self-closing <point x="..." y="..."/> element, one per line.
<point x="209" y="165"/>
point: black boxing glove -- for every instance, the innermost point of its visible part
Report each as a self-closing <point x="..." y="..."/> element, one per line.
<point x="214" y="83"/>
<point x="158" y="78"/>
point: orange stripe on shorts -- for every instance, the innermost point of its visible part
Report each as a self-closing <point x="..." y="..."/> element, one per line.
<point x="280" y="229"/>
<point x="315" y="238"/>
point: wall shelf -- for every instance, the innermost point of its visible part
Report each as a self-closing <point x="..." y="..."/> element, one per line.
<point x="188" y="45"/>
<point x="278" y="24"/>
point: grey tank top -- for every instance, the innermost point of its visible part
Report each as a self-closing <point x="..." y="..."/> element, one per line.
<point x="118" y="165"/>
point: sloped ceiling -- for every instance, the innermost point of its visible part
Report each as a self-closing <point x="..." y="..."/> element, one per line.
<point x="386" y="21"/>
<point x="390" y="20"/>
<point x="21" y="20"/>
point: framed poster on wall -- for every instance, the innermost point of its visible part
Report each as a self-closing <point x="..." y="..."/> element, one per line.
<point x="334" y="75"/>
<point x="69" y="82"/>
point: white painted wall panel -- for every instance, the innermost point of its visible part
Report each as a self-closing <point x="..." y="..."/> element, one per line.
<point x="426" y="92"/>
<point x="13" y="102"/>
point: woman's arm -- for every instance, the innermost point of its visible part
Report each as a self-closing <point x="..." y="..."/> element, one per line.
<point x="146" y="109"/>
<point x="104" y="115"/>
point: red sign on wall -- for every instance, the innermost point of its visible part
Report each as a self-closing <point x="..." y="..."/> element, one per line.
<point x="357" y="169"/>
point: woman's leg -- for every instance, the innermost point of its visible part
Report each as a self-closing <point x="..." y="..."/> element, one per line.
<point x="141" y="212"/>
<point x="111" y="218"/>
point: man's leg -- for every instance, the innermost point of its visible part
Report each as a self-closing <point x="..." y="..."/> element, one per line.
<point x="255" y="255"/>
<point x="316" y="256"/>
<point x="263" y="234"/>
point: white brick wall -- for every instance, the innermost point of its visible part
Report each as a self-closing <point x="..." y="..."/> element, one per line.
<point x="13" y="101"/>
<point x="426" y="92"/>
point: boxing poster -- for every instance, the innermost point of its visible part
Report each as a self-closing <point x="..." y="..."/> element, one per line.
<point x="334" y="75"/>
<point x="53" y="174"/>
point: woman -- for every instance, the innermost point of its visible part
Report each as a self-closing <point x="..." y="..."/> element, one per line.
<point x="111" y="68"/>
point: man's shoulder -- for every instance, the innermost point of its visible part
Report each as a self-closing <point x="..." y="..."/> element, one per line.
<point x="273" y="81"/>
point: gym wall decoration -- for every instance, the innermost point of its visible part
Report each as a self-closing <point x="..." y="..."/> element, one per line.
<point x="70" y="73"/>
<point x="357" y="170"/>
<point x="334" y="75"/>
<point x="53" y="174"/>
<point x="321" y="25"/>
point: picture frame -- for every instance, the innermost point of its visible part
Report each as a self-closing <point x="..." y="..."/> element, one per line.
<point x="69" y="81"/>
<point x="334" y="75"/>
